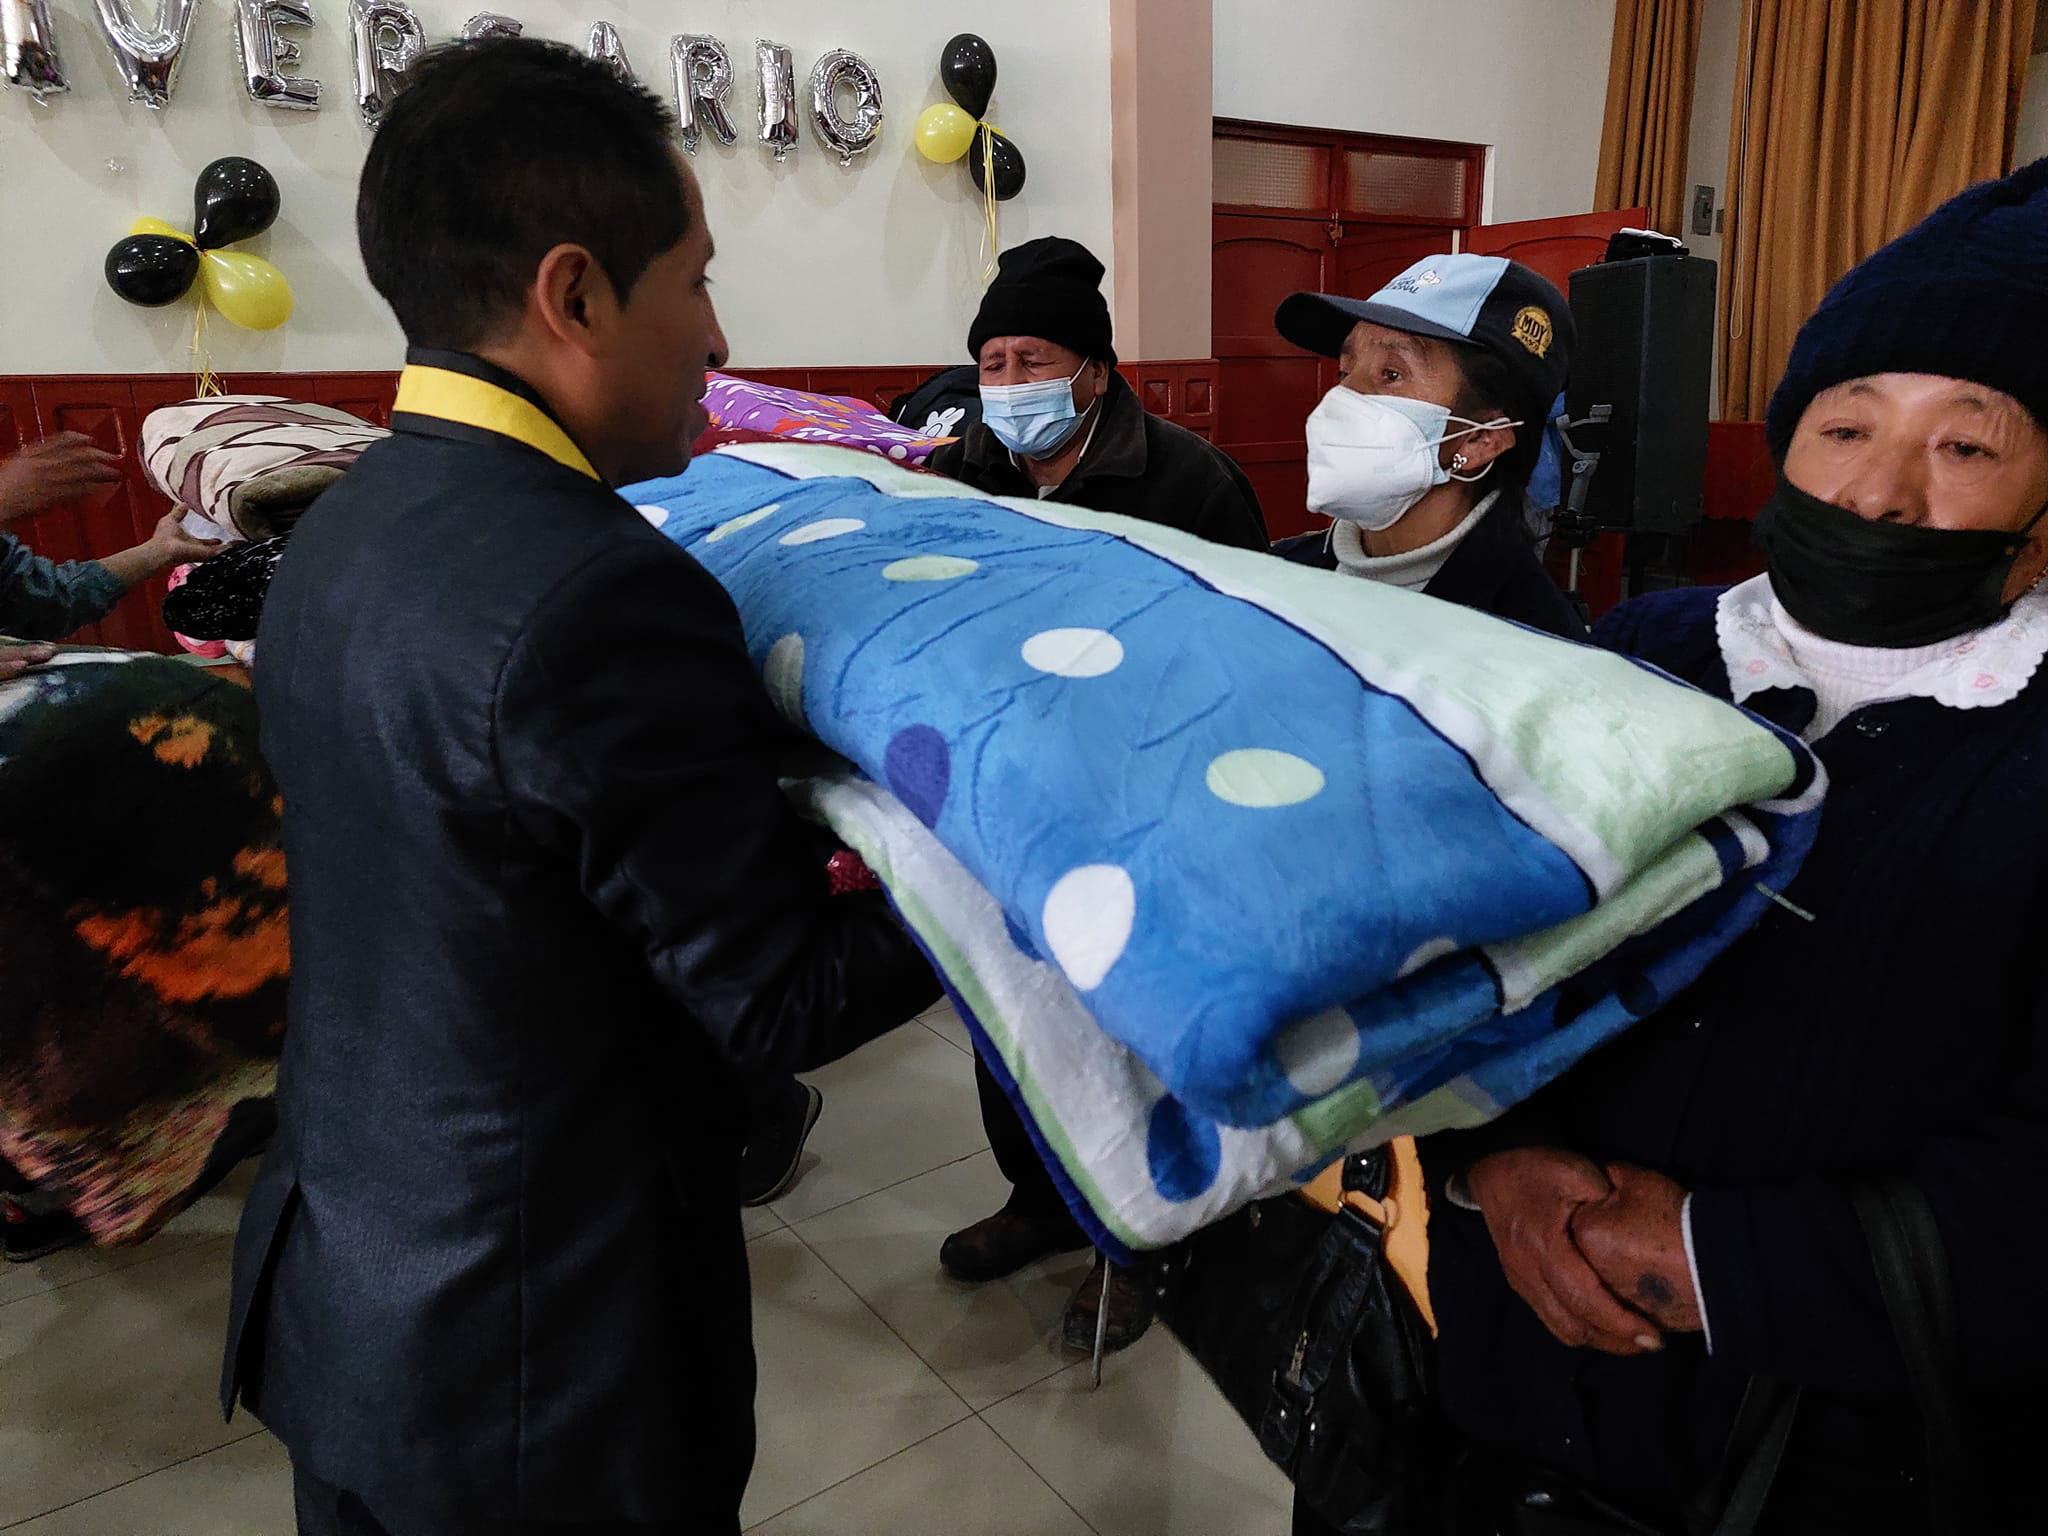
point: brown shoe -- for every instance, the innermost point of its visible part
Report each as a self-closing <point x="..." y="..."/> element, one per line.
<point x="1130" y="1312"/>
<point x="1004" y="1243"/>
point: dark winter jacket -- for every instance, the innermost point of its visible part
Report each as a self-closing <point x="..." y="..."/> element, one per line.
<point x="1136" y="465"/>
<point x="1902" y="1031"/>
<point x="1494" y="569"/>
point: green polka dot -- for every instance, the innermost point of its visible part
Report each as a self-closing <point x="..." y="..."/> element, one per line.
<point x="1262" y="779"/>
<point x="746" y="521"/>
<point x="930" y="568"/>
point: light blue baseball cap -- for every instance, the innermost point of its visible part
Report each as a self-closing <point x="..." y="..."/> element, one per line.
<point x="1488" y="302"/>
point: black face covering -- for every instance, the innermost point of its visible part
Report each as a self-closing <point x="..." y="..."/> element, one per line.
<point x="1893" y="585"/>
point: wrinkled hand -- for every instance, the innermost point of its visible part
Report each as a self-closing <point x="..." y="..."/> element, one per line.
<point x="17" y="659"/>
<point x="1635" y="1241"/>
<point x="1530" y="1197"/>
<point x="171" y="545"/>
<point x="58" y="469"/>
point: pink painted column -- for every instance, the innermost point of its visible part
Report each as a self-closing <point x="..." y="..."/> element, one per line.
<point x="1162" y="87"/>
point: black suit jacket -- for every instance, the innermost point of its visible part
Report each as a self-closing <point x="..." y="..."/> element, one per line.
<point x="546" y="900"/>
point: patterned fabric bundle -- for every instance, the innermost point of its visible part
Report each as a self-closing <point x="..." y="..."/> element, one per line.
<point x="143" y="944"/>
<point x="739" y="405"/>
<point x="1233" y="865"/>
<point x="244" y="466"/>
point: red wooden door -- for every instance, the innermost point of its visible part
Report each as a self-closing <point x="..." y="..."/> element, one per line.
<point x="1372" y="255"/>
<point x="1268" y="386"/>
<point x="1556" y="248"/>
<point x="1304" y="209"/>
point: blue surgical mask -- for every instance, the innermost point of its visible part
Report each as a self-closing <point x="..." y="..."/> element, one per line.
<point x="1035" y="420"/>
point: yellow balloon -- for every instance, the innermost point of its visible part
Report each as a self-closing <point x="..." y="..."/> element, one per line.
<point x="149" y="226"/>
<point x="944" y="132"/>
<point x="246" y="289"/>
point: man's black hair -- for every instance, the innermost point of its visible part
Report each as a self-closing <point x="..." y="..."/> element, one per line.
<point x="1490" y="393"/>
<point x="494" y="153"/>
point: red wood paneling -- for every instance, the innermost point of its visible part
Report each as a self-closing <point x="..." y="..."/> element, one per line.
<point x="1555" y="248"/>
<point x="109" y="408"/>
<point x="1740" y="470"/>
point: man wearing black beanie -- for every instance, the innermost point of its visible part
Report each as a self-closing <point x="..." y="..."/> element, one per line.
<point x="1059" y="422"/>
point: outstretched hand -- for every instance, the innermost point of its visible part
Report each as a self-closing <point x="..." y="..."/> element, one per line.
<point x="48" y="474"/>
<point x="1532" y="1198"/>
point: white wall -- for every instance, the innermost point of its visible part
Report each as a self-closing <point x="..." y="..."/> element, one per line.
<point x="2032" y="143"/>
<point x="1527" y="77"/>
<point x="817" y="265"/>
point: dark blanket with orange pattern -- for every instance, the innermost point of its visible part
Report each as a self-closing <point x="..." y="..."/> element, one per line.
<point x="143" y="948"/>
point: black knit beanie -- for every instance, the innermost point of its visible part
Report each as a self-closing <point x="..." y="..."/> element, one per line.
<point x="1051" y="288"/>
<point x="1963" y="294"/>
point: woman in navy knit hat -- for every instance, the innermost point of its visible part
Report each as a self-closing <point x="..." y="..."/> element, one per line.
<point x="1688" y="1220"/>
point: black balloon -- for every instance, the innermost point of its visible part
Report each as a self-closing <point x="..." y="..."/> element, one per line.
<point x="233" y="199"/>
<point x="152" y="269"/>
<point x="1009" y="164"/>
<point x="968" y="68"/>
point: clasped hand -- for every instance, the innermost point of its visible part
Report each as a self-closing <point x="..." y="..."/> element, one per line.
<point x="1597" y="1253"/>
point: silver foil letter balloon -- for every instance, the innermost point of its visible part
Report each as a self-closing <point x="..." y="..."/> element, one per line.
<point x="28" y="49"/>
<point x="148" y="57"/>
<point x="846" y="136"/>
<point x="265" y="54"/>
<point x="703" y="71"/>
<point x="388" y="38"/>
<point x="491" y="24"/>
<point x="778" y="96"/>
<point x="606" y="48"/>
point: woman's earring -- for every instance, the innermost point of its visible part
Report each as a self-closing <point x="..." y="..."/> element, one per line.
<point x="1457" y="462"/>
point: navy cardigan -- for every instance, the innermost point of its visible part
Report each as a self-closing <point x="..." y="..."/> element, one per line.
<point x="1903" y="1030"/>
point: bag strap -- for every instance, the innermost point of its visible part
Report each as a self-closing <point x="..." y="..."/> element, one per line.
<point x="1763" y="1422"/>
<point x="1911" y="1262"/>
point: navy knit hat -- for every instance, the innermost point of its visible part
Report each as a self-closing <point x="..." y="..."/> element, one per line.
<point x="1049" y="288"/>
<point x="1963" y="294"/>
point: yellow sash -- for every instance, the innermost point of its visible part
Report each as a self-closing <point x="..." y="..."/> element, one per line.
<point x="474" y="402"/>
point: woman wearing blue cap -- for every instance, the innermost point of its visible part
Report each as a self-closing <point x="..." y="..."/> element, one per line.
<point x="1420" y="455"/>
<point x="1777" y="1251"/>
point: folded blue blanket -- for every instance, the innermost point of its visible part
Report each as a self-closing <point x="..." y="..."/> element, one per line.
<point x="1322" y="861"/>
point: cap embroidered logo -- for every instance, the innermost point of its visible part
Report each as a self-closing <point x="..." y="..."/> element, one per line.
<point x="1533" y="329"/>
<point x="1415" y="284"/>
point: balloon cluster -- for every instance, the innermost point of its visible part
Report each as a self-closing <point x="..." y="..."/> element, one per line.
<point x="948" y="131"/>
<point x="155" y="264"/>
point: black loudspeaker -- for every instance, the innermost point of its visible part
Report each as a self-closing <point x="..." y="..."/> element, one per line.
<point x="1645" y="349"/>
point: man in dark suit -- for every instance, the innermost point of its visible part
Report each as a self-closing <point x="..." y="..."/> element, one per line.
<point x="546" y="897"/>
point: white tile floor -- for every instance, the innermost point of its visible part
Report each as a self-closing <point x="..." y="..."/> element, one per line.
<point x="892" y="1399"/>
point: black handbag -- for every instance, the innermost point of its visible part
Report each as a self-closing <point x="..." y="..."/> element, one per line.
<point x="1297" y="1318"/>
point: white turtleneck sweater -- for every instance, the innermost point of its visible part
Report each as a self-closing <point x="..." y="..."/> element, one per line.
<point x="1414" y="570"/>
<point x="1846" y="677"/>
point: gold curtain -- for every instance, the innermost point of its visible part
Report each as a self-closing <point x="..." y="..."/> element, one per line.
<point x="1853" y="120"/>
<point x="1645" y="140"/>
